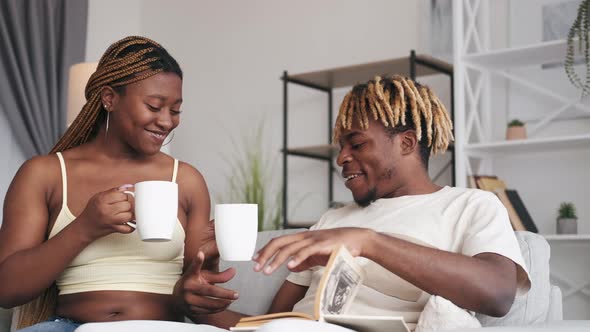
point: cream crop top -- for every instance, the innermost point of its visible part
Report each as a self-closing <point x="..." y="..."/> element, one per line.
<point x="120" y="261"/>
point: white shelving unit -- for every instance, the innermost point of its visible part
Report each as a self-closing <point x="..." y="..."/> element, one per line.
<point x="479" y="145"/>
<point x="528" y="145"/>
<point x="473" y="72"/>
<point x="476" y="66"/>
<point x="567" y="237"/>
<point x="541" y="53"/>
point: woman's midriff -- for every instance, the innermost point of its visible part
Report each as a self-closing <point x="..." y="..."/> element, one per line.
<point x="108" y="306"/>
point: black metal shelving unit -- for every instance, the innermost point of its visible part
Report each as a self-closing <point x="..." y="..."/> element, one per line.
<point x="413" y="66"/>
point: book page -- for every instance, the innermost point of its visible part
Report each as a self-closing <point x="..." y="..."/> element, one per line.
<point x="340" y="282"/>
<point x="261" y="319"/>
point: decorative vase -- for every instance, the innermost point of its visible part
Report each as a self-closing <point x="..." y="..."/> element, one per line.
<point x="567" y="226"/>
<point x="516" y="132"/>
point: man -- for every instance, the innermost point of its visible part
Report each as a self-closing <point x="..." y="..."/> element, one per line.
<point x="413" y="238"/>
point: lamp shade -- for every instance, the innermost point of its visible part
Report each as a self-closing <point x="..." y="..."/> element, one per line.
<point x="78" y="77"/>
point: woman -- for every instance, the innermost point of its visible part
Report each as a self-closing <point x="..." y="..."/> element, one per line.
<point x="66" y="216"/>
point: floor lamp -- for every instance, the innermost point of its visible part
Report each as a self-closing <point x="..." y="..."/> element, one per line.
<point x="78" y="77"/>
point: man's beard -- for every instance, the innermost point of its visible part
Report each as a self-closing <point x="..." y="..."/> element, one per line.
<point x="369" y="198"/>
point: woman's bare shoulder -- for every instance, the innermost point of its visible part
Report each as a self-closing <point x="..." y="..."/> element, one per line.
<point x="192" y="187"/>
<point x="35" y="181"/>
<point x="190" y="175"/>
<point x="39" y="169"/>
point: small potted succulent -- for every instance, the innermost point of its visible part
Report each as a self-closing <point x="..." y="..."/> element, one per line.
<point x="567" y="221"/>
<point x="515" y="130"/>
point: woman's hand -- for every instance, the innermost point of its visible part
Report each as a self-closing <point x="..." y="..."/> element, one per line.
<point x="209" y="248"/>
<point x="311" y="248"/>
<point x="196" y="292"/>
<point x="108" y="212"/>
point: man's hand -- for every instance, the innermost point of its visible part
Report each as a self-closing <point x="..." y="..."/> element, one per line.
<point x="196" y="291"/>
<point x="311" y="248"/>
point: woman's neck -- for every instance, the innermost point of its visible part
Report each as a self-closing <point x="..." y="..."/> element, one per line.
<point x="111" y="147"/>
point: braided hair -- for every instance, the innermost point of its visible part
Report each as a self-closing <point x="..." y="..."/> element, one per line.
<point x="127" y="61"/>
<point x="400" y="104"/>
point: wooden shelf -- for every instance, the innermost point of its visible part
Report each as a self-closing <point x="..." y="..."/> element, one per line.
<point x="530" y="145"/>
<point x="537" y="54"/>
<point x="350" y="75"/>
<point x="323" y="152"/>
<point x="566" y="237"/>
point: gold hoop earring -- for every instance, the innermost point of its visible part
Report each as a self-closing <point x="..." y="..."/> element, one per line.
<point x="169" y="140"/>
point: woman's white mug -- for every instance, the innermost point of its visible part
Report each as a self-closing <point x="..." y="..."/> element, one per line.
<point x="236" y="228"/>
<point x="156" y="209"/>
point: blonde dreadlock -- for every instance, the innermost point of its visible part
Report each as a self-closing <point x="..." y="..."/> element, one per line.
<point x="127" y="61"/>
<point x="393" y="101"/>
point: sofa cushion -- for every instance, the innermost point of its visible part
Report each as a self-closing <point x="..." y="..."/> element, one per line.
<point x="533" y="306"/>
<point x="256" y="289"/>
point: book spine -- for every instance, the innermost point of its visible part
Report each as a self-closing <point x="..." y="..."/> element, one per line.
<point x="521" y="210"/>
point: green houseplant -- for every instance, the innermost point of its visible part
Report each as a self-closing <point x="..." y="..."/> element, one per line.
<point x="250" y="178"/>
<point x="579" y="30"/>
<point x="515" y="130"/>
<point x="515" y="123"/>
<point x="567" y="220"/>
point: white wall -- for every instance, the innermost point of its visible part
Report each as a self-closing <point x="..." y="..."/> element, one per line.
<point x="108" y="21"/>
<point x="233" y="53"/>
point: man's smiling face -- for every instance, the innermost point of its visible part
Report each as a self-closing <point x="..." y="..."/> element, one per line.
<point x="369" y="159"/>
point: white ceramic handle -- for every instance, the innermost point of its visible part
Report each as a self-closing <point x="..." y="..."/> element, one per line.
<point x="132" y="194"/>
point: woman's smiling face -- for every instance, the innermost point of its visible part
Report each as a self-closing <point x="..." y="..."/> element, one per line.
<point x="145" y="113"/>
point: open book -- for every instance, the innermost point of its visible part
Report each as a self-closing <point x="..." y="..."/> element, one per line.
<point x="338" y="286"/>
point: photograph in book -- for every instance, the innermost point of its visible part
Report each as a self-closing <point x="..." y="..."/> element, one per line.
<point x="340" y="283"/>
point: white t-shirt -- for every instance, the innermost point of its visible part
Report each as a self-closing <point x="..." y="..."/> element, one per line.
<point x="459" y="220"/>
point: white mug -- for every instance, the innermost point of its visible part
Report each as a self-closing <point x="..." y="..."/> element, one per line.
<point x="236" y="228"/>
<point x="156" y="209"/>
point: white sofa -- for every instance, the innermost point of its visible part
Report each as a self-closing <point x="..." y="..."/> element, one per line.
<point x="539" y="310"/>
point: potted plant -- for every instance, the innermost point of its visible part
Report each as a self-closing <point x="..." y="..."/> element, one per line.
<point x="567" y="221"/>
<point x="515" y="130"/>
<point x="251" y="177"/>
<point x="579" y="30"/>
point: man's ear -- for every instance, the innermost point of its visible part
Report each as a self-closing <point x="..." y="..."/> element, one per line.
<point x="408" y="142"/>
<point x="108" y="98"/>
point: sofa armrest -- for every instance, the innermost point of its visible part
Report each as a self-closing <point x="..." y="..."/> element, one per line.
<point x="555" y="312"/>
<point x="530" y="308"/>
